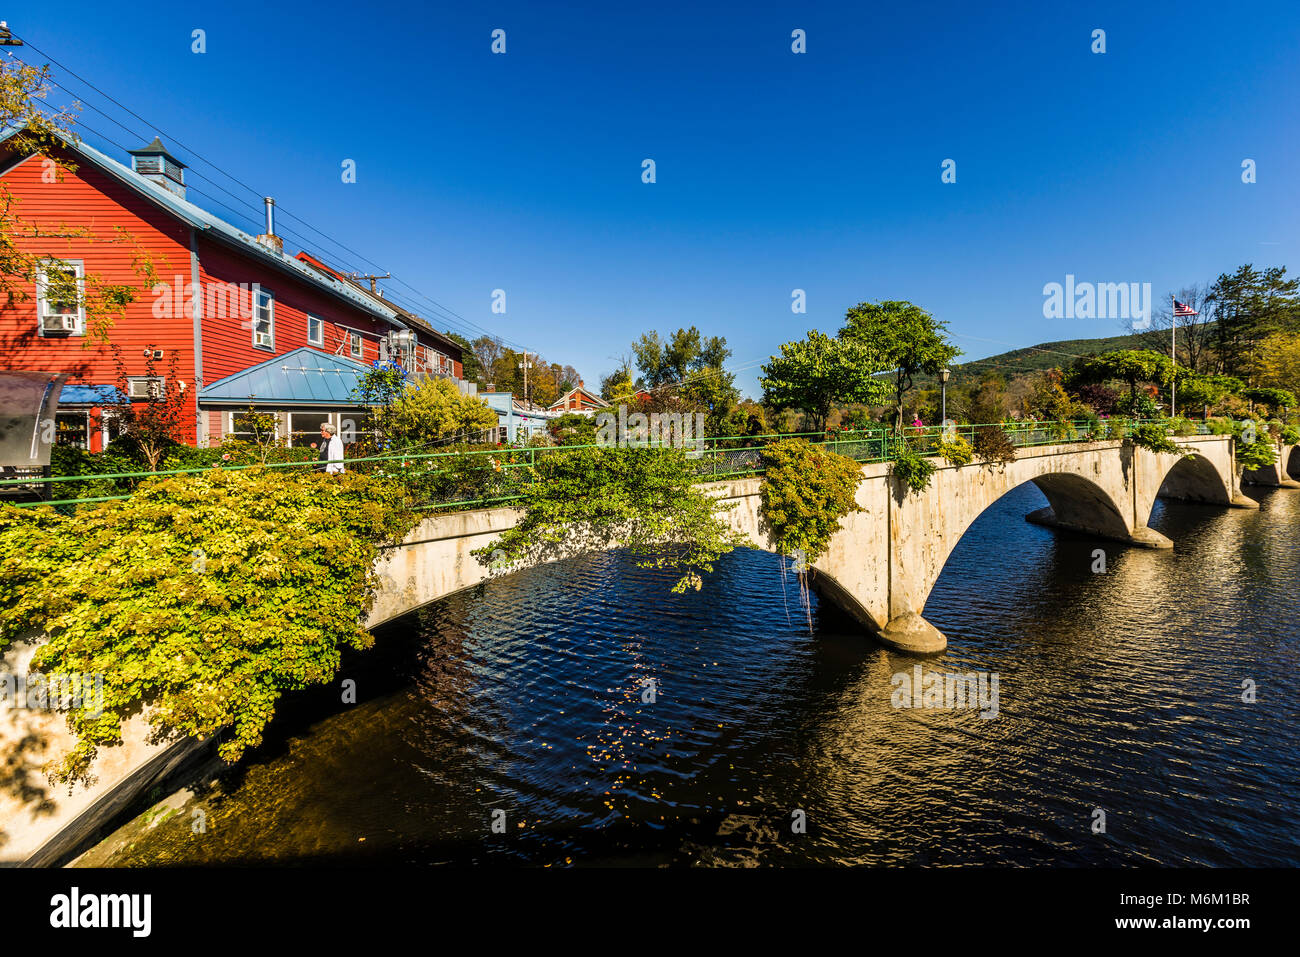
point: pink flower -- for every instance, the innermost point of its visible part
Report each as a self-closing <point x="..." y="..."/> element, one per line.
<point x="225" y="456"/>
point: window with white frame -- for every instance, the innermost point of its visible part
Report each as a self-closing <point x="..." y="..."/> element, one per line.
<point x="246" y="427"/>
<point x="315" y="331"/>
<point x="304" y="427"/>
<point x="60" y="298"/>
<point x="263" y="319"/>
<point x="355" y="342"/>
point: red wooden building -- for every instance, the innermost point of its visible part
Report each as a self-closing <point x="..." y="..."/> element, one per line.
<point x="246" y="322"/>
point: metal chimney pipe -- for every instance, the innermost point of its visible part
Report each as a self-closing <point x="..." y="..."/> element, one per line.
<point x="270" y="215"/>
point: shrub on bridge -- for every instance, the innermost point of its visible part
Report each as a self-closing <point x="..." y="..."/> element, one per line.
<point x="993" y="445"/>
<point x="1254" y="448"/>
<point x="805" y="492"/>
<point x="956" y="451"/>
<point x="1290" y="435"/>
<point x="202" y="598"/>
<point x="911" y="468"/>
<point x="1154" y="438"/>
<point x="641" y="499"/>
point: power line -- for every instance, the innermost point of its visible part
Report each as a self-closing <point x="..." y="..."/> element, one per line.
<point x="106" y="96"/>
<point x="998" y="342"/>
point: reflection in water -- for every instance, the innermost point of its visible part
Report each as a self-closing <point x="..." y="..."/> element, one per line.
<point x="525" y="703"/>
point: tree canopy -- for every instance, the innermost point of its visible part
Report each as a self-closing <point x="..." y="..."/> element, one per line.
<point x="817" y="373"/>
<point x="905" y="337"/>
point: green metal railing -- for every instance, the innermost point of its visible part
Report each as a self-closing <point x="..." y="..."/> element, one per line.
<point x="716" y="458"/>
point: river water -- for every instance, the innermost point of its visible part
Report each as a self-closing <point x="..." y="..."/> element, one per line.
<point x="510" y="724"/>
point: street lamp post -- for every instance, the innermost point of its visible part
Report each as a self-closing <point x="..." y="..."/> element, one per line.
<point x="943" y="387"/>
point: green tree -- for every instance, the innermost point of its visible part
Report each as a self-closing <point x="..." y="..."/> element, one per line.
<point x="805" y="492"/>
<point x="1131" y="366"/>
<point x="1205" y="391"/>
<point x="644" y="500"/>
<point x="618" y="387"/>
<point x="684" y="354"/>
<point x="907" y="339"/>
<point x="573" y="429"/>
<point x="1277" y="362"/>
<point x="1248" y="306"/>
<point x="429" y="409"/>
<point x="817" y="373"/>
<point x="1277" y="400"/>
<point x="159" y="419"/>
<point x="471" y="370"/>
<point x="983" y="402"/>
<point x="685" y="374"/>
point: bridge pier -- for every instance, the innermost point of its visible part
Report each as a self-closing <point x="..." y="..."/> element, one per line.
<point x="1277" y="475"/>
<point x="908" y="632"/>
<point x="1139" y="535"/>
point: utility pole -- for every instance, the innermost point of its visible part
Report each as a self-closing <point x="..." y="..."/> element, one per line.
<point x="525" y="365"/>
<point x="372" y="280"/>
<point x="6" y="38"/>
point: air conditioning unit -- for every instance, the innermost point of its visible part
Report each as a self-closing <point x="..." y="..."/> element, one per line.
<point x="145" y="388"/>
<point x="59" y="325"/>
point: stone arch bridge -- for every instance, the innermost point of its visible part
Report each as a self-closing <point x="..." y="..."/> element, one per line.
<point x="882" y="564"/>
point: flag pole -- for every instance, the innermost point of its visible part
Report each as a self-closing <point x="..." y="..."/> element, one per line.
<point x="1173" y="354"/>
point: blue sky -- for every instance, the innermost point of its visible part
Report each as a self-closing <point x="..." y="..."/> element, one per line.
<point x="775" y="171"/>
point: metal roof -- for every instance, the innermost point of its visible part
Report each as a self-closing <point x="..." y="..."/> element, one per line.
<point x="303" y="377"/>
<point x="219" y="229"/>
<point x="74" y="394"/>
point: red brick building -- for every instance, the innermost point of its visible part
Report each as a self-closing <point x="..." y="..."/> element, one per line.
<point x="225" y="302"/>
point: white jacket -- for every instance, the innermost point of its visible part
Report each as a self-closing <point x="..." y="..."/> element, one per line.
<point x="335" y="454"/>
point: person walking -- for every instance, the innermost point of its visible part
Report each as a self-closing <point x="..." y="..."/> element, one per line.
<point x="330" y="460"/>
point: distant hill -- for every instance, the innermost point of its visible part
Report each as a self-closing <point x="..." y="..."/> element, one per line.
<point x="1045" y="355"/>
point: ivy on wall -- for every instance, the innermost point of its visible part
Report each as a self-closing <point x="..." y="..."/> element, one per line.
<point x="202" y="598"/>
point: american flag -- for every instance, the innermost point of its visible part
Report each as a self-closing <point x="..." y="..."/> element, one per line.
<point x="1182" y="309"/>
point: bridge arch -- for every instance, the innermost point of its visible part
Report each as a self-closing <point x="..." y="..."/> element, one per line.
<point x="1103" y="489"/>
<point x="1194" y="478"/>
